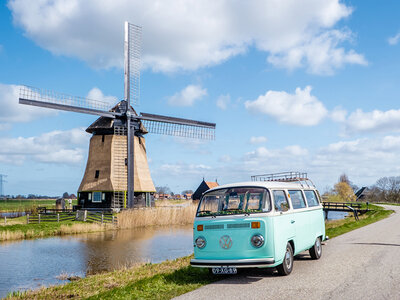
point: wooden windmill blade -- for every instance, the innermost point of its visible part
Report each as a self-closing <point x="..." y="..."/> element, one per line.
<point x="178" y="127"/>
<point x="51" y="99"/>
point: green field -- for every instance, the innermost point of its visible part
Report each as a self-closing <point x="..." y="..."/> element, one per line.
<point x="27" y="204"/>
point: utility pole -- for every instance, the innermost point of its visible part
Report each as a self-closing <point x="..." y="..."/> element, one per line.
<point x="2" y="176"/>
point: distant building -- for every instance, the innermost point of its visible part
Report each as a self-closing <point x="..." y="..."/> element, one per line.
<point x="188" y="196"/>
<point x="204" y="186"/>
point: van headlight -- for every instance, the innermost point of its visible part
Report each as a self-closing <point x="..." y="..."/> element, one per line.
<point x="200" y="242"/>
<point x="257" y="240"/>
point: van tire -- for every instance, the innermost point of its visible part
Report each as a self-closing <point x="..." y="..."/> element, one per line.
<point x="316" y="250"/>
<point x="286" y="267"/>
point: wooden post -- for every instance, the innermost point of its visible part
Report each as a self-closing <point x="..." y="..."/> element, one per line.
<point x="5" y="220"/>
<point x="39" y="218"/>
<point x="113" y="220"/>
<point x="102" y="218"/>
<point x="58" y="218"/>
<point x="27" y="219"/>
<point x="84" y="215"/>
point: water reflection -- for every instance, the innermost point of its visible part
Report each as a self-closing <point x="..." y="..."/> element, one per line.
<point x="33" y="263"/>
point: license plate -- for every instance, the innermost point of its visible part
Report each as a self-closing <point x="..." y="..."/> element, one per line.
<point x="224" y="270"/>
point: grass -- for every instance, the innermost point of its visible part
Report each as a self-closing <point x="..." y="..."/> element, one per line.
<point x="30" y="231"/>
<point x="148" y="281"/>
<point x="165" y="280"/>
<point x="338" y="227"/>
<point x="14" y="205"/>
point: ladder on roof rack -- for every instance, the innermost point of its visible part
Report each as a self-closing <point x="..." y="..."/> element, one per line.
<point x="300" y="177"/>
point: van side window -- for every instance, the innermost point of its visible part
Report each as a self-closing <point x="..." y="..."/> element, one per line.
<point x="311" y="198"/>
<point x="280" y="201"/>
<point x="297" y="199"/>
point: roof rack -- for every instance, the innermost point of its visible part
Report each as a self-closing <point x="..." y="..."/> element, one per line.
<point x="300" y="177"/>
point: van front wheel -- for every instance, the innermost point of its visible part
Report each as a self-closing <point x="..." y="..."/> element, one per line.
<point x="287" y="265"/>
<point x="316" y="250"/>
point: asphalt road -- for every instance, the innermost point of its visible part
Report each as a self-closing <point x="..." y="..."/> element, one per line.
<point x="362" y="264"/>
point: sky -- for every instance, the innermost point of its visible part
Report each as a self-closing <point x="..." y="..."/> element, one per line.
<point x="309" y="86"/>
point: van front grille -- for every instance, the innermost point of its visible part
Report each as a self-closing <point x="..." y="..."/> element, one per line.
<point x="215" y="226"/>
<point x="238" y="225"/>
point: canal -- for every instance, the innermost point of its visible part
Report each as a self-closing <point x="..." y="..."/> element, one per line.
<point x="30" y="264"/>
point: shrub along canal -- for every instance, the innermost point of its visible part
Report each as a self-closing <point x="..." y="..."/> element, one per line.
<point x="29" y="264"/>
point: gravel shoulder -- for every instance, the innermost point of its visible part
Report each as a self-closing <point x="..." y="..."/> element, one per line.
<point x="361" y="264"/>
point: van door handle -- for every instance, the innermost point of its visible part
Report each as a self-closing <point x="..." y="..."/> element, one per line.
<point x="292" y="221"/>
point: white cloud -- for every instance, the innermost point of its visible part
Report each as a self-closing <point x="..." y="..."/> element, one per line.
<point x="258" y="139"/>
<point x="188" y="96"/>
<point x="192" y="34"/>
<point x="13" y="112"/>
<point x="360" y="121"/>
<point x="223" y="101"/>
<point x="394" y="39"/>
<point x="338" y="114"/>
<point x="61" y="147"/>
<point x="321" y="54"/>
<point x="96" y="94"/>
<point x="300" y="108"/>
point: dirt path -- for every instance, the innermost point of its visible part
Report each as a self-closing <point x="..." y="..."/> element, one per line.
<point x="362" y="264"/>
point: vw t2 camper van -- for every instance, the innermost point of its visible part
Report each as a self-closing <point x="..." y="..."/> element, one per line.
<point x="258" y="224"/>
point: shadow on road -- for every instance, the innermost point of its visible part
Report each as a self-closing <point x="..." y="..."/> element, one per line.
<point x="377" y="244"/>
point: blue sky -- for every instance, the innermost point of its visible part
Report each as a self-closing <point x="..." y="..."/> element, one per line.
<point x="292" y="85"/>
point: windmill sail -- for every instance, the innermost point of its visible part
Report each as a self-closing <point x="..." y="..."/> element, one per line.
<point x="51" y="99"/>
<point x="178" y="126"/>
<point x="135" y="52"/>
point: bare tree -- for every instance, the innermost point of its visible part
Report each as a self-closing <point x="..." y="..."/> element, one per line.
<point x="163" y="190"/>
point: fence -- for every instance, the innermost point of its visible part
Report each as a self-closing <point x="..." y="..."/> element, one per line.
<point x="82" y="215"/>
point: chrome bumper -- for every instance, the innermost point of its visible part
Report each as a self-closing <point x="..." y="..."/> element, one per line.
<point x="237" y="263"/>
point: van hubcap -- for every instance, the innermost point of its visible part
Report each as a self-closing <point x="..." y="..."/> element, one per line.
<point x="288" y="258"/>
<point x="318" y="246"/>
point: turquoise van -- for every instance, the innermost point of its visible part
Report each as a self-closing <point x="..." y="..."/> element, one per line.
<point x="258" y="224"/>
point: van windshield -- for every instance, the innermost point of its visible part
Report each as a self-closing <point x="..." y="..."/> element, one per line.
<point x="232" y="201"/>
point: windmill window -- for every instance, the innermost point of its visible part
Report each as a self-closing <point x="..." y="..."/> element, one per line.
<point x="96" y="197"/>
<point x="103" y="196"/>
<point x="96" y="175"/>
<point x="102" y="138"/>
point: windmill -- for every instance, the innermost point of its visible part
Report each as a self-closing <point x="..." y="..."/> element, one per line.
<point x="125" y="120"/>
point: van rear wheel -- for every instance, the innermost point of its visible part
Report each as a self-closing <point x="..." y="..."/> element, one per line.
<point x="316" y="250"/>
<point x="287" y="265"/>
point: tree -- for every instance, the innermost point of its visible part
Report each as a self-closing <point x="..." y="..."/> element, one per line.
<point x="163" y="190"/>
<point x="65" y="195"/>
<point x="344" y="191"/>
<point x="187" y="192"/>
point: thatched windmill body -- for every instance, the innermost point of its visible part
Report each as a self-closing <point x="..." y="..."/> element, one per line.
<point x="117" y="174"/>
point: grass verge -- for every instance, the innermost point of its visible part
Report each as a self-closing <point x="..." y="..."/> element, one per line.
<point x="338" y="227"/>
<point x="165" y="280"/>
<point x="149" y="281"/>
<point x="30" y="231"/>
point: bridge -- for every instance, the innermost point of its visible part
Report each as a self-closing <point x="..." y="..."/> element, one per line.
<point x="351" y="207"/>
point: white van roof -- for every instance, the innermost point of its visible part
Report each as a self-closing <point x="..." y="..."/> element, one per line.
<point x="267" y="184"/>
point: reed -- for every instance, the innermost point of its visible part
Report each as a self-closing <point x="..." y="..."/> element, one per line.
<point x="84" y="228"/>
<point x="158" y="216"/>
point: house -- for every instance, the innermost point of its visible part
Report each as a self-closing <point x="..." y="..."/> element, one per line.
<point x="204" y="186"/>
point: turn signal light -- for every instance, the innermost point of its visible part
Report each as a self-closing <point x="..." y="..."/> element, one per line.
<point x="255" y="225"/>
<point x="199" y="227"/>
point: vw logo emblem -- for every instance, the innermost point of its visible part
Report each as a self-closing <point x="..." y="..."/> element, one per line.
<point x="225" y="242"/>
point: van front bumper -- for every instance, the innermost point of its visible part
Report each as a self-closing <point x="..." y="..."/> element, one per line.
<point x="237" y="263"/>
